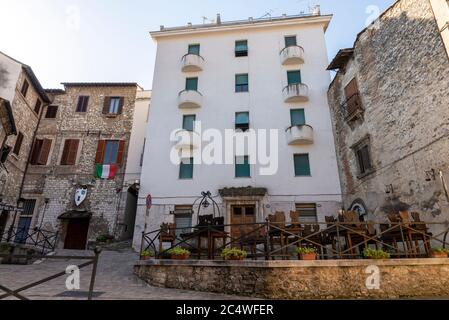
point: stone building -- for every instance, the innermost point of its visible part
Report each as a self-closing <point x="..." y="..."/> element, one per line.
<point x="389" y="105"/>
<point x="76" y="178"/>
<point x="22" y="99"/>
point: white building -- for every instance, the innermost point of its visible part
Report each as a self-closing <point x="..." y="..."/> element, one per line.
<point x="271" y="72"/>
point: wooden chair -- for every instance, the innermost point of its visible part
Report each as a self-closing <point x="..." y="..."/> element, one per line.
<point x="356" y="233"/>
<point x="422" y="232"/>
<point x="275" y="230"/>
<point x="294" y="217"/>
<point x="168" y="234"/>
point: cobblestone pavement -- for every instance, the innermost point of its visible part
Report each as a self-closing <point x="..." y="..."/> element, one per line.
<point x="115" y="279"/>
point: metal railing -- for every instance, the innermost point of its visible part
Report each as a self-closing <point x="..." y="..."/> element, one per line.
<point x="332" y="240"/>
<point x="36" y="238"/>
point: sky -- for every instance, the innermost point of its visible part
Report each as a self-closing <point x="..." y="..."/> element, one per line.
<point x="108" y="40"/>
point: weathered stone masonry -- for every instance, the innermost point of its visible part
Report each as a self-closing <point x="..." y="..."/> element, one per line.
<point x="402" y="72"/>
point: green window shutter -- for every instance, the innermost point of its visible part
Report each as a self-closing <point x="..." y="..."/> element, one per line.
<point x="302" y="165"/>
<point x="194" y="49"/>
<point x="241" y="82"/>
<point x="242" y="168"/>
<point x="297" y="117"/>
<point x="186" y="169"/>
<point x="290" y="41"/>
<point x="192" y="84"/>
<point x="241" y="48"/>
<point x="294" y="77"/>
<point x="242" y="118"/>
<point x="188" y="122"/>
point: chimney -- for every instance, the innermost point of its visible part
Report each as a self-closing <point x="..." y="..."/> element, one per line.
<point x="189" y="24"/>
<point x="218" y="18"/>
<point x="162" y="27"/>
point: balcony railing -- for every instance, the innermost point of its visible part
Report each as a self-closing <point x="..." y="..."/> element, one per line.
<point x="192" y="63"/>
<point x="187" y="139"/>
<point x="299" y="134"/>
<point x="190" y="99"/>
<point x="352" y="107"/>
<point x="292" y="55"/>
<point x="296" y="92"/>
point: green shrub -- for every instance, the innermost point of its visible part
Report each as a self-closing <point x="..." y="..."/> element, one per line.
<point x="375" y="254"/>
<point x="177" y="251"/>
<point x="104" y="237"/>
<point x="305" y="250"/>
<point x="147" y="253"/>
<point x="233" y="253"/>
<point x="440" y="250"/>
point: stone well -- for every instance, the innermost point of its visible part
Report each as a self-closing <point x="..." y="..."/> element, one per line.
<point x="321" y="279"/>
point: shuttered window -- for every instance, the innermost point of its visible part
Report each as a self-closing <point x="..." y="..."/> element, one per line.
<point x="241" y="82"/>
<point x="192" y="84"/>
<point x="363" y="158"/>
<point x="186" y="169"/>
<point x="290" y="41"/>
<point x="24" y="89"/>
<point x="110" y="152"/>
<point x="113" y="105"/>
<point x="297" y="117"/>
<point x="183" y="219"/>
<point x="188" y="122"/>
<point x="302" y="165"/>
<point x="242" y="120"/>
<point x="242" y="168"/>
<point x="18" y="144"/>
<point x="241" y="48"/>
<point x="37" y="106"/>
<point x="353" y="101"/>
<point x="40" y="152"/>
<point x="70" y="152"/>
<point x="51" y="113"/>
<point x="294" y="77"/>
<point x="194" y="49"/>
<point x="307" y="212"/>
<point x="83" y="101"/>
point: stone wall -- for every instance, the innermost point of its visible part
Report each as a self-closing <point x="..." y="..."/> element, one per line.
<point x="401" y="69"/>
<point x="57" y="183"/>
<point x="331" y="279"/>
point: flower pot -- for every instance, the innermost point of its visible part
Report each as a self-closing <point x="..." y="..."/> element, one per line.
<point x="180" y="256"/>
<point x="438" y="255"/>
<point x="307" y="256"/>
<point x="233" y="258"/>
<point x="146" y="257"/>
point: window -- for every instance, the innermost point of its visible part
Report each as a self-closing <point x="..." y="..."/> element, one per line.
<point x="297" y="117"/>
<point x="353" y="101"/>
<point x="307" y="212"/>
<point x="113" y="105"/>
<point x="83" y="101"/>
<point x="194" y="49"/>
<point x="188" y="122"/>
<point x="37" y="106"/>
<point x="18" y="144"/>
<point x="110" y="152"/>
<point x="25" y="87"/>
<point x="51" y="112"/>
<point x="186" y="169"/>
<point x="241" y="48"/>
<point x="242" y="120"/>
<point x="290" y="41"/>
<point x="69" y="152"/>
<point x="242" y="168"/>
<point x="241" y="83"/>
<point x="192" y="84"/>
<point x="294" y="77"/>
<point x="40" y="152"/>
<point x="362" y="152"/>
<point x="183" y="219"/>
<point x="302" y="165"/>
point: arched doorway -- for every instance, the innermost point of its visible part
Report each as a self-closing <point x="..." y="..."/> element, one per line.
<point x="359" y="206"/>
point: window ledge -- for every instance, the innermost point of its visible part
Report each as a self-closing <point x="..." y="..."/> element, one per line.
<point x="111" y="115"/>
<point x="367" y="173"/>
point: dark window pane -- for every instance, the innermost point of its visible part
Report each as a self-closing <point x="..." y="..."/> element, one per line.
<point x="242" y="120"/>
<point x="297" y="117"/>
<point x="18" y="144"/>
<point x="82" y="104"/>
<point x="51" y="112"/>
<point x="294" y="77"/>
<point x="194" y="49"/>
<point x="114" y="105"/>
<point x="241" y="48"/>
<point x="188" y="122"/>
<point x="192" y="84"/>
<point x="302" y="165"/>
<point x="242" y="167"/>
<point x="249" y="211"/>
<point x="186" y="169"/>
<point x="25" y="87"/>
<point x="237" y="211"/>
<point x="37" y="106"/>
<point x="241" y="83"/>
<point x="290" y="41"/>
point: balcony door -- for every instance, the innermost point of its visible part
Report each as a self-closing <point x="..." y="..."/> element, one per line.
<point x="240" y="215"/>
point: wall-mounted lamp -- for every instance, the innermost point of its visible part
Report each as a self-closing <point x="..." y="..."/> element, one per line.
<point x="389" y="189"/>
<point x="430" y="175"/>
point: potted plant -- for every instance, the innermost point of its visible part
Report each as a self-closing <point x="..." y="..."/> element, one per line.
<point x="105" y="238"/>
<point x="306" y="253"/>
<point x="233" y="254"/>
<point x="146" y="254"/>
<point x="375" y="254"/>
<point x="178" y="253"/>
<point x="439" y="253"/>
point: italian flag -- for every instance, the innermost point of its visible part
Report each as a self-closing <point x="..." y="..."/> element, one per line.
<point x="106" y="171"/>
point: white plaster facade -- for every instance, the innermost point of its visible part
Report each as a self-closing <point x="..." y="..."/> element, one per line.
<point x="266" y="107"/>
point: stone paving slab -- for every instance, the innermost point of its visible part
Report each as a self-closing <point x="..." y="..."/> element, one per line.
<point x="115" y="280"/>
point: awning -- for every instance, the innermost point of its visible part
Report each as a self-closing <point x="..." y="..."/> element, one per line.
<point x="242" y="192"/>
<point x="75" y="214"/>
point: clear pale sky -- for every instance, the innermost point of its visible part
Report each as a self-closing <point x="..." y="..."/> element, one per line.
<point x="110" y="41"/>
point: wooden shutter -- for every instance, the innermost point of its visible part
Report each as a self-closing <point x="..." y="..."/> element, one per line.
<point x="120" y="106"/>
<point x="18" y="144"/>
<point x="65" y="152"/>
<point x="121" y="148"/>
<point x="107" y="103"/>
<point x="44" y="152"/>
<point x="99" y="157"/>
<point x="351" y="89"/>
<point x="352" y="98"/>
<point x="72" y="152"/>
<point x="35" y="151"/>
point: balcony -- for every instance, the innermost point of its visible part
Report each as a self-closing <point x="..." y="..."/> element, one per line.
<point x="292" y="55"/>
<point x="187" y="139"/>
<point x="353" y="108"/>
<point x="299" y="135"/>
<point x="296" y="92"/>
<point x="190" y="99"/>
<point x="192" y="63"/>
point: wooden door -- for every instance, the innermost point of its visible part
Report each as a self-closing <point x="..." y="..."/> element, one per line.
<point x="76" y="237"/>
<point x="242" y="215"/>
